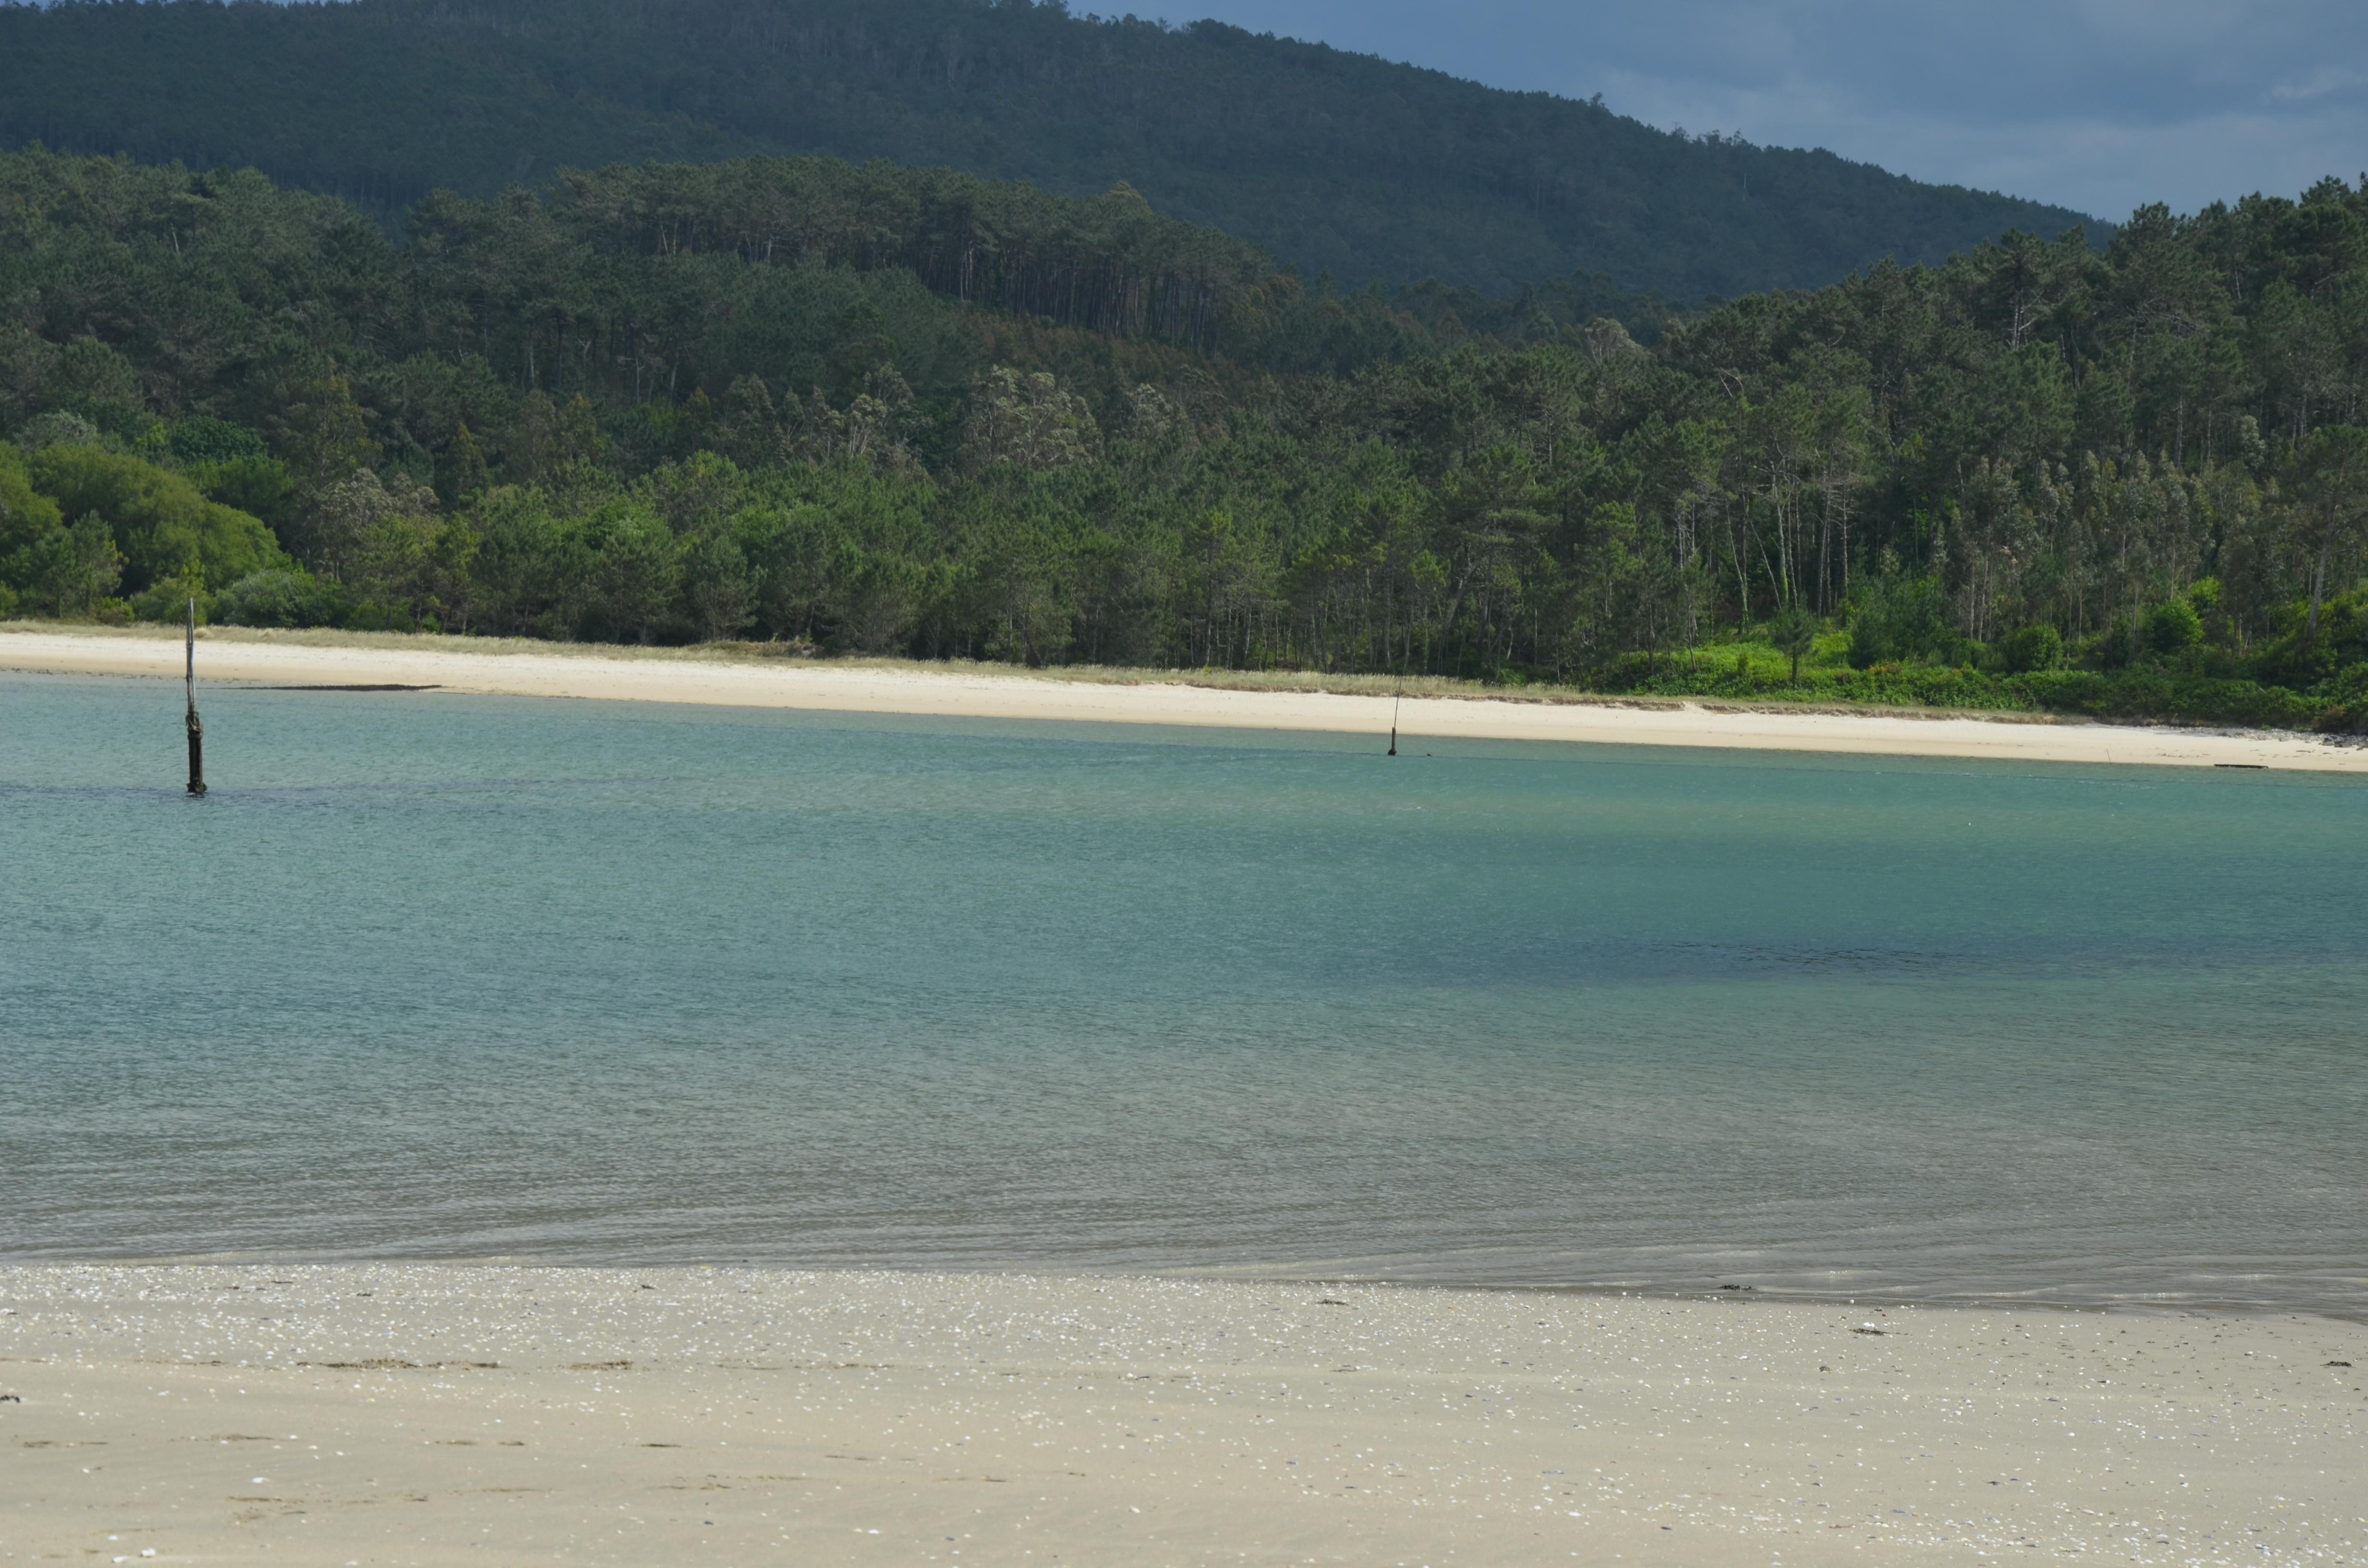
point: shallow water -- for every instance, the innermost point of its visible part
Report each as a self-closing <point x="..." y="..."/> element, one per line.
<point x="430" y="975"/>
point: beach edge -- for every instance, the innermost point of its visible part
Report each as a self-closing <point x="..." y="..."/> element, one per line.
<point x="1145" y="697"/>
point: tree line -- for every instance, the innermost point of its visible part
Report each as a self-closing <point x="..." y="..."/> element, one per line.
<point x="746" y="403"/>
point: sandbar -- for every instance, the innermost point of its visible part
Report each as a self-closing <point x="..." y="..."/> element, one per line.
<point x="693" y="676"/>
<point x="487" y="1413"/>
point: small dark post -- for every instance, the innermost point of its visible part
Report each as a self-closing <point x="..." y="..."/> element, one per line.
<point x="197" y="726"/>
<point x="1394" y="722"/>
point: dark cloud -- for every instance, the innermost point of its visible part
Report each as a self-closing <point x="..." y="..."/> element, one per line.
<point x="2101" y="104"/>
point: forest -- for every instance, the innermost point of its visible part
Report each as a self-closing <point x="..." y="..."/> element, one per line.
<point x="1328" y="161"/>
<point x="835" y="408"/>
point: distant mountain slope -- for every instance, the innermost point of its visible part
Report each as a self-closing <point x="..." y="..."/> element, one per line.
<point x="1335" y="162"/>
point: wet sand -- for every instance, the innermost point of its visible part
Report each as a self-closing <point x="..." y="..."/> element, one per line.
<point x="1117" y="697"/>
<point x="431" y="1414"/>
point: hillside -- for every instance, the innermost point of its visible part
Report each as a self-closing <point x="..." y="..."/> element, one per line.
<point x="1332" y="162"/>
<point x="909" y="411"/>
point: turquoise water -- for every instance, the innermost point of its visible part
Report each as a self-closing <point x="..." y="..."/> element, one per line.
<point x="430" y="975"/>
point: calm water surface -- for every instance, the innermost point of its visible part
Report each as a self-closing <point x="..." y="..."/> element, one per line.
<point x="440" y="976"/>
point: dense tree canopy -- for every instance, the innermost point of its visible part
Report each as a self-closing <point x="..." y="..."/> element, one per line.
<point x="886" y="410"/>
<point x="1333" y="161"/>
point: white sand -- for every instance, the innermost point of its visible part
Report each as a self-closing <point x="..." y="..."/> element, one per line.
<point x="397" y="1413"/>
<point x="554" y="671"/>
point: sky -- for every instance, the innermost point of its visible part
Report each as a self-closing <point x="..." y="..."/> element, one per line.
<point x="2100" y="106"/>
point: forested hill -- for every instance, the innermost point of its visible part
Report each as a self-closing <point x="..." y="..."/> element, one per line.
<point x="907" y="411"/>
<point x="1331" y="160"/>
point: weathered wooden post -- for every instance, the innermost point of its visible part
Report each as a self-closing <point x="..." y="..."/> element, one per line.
<point x="197" y="726"/>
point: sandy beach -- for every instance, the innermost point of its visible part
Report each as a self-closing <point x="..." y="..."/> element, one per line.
<point x="427" y="1413"/>
<point x="689" y="675"/>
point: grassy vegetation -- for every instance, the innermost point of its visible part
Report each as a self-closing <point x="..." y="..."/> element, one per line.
<point x="2196" y="688"/>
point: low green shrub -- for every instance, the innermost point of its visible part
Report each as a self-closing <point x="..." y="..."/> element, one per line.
<point x="2152" y="693"/>
<point x="281" y="596"/>
<point x="2174" y="627"/>
<point x="169" y="600"/>
<point x="2034" y="648"/>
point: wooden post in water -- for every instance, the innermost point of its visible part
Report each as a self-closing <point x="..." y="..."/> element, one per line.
<point x="197" y="726"/>
<point x="1394" y="722"/>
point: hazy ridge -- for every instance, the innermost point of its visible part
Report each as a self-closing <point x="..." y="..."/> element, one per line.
<point x="1335" y="162"/>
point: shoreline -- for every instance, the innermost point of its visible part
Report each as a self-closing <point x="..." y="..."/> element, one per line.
<point x="2348" y="1309"/>
<point x="1431" y="710"/>
<point x="464" y="1412"/>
